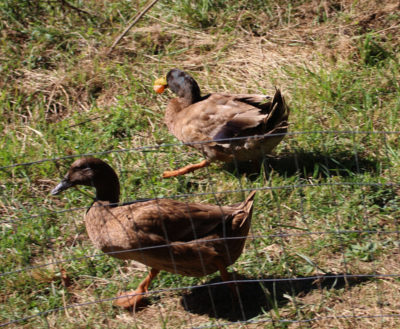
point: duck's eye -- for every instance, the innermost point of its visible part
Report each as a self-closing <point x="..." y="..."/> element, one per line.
<point x="82" y="168"/>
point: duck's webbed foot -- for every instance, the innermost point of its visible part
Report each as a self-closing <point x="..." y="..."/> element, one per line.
<point x="130" y="299"/>
<point x="135" y="298"/>
<point x="186" y="169"/>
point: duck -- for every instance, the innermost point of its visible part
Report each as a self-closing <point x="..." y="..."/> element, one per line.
<point x="190" y="239"/>
<point x="222" y="126"/>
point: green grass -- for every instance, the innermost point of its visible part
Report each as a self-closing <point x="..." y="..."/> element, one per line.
<point x="333" y="200"/>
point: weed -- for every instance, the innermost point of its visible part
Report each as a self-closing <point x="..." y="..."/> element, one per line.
<point x="328" y="202"/>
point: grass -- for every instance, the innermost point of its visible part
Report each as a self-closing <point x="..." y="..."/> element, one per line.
<point x="329" y="202"/>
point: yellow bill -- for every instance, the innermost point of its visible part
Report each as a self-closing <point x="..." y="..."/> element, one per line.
<point x="159" y="85"/>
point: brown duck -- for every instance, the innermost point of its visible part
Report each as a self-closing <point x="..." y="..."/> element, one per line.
<point x="192" y="239"/>
<point x="214" y="123"/>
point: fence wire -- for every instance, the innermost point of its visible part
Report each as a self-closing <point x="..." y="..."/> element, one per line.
<point x="320" y="250"/>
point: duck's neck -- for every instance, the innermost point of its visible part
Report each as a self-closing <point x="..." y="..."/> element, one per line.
<point x="108" y="190"/>
<point x="173" y="108"/>
<point x="190" y="94"/>
<point x="185" y="87"/>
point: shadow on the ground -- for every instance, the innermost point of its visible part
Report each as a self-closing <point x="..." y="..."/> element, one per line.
<point x="215" y="298"/>
<point x="305" y="164"/>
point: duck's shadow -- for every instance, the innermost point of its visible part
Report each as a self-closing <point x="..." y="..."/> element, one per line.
<point x="306" y="163"/>
<point x="256" y="296"/>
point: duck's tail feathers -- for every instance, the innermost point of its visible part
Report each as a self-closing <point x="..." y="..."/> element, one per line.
<point x="279" y="113"/>
<point x="247" y="207"/>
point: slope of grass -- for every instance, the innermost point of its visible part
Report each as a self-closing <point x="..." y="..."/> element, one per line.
<point x="329" y="203"/>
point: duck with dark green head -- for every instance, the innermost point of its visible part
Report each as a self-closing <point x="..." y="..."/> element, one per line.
<point x="222" y="126"/>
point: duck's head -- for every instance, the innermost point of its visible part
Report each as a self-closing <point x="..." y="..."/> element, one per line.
<point x="91" y="172"/>
<point x="181" y="83"/>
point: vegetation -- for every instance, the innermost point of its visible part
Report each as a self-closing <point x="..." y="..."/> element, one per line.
<point x="328" y="204"/>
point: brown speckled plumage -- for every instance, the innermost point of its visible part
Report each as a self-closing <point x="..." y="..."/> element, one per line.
<point x="179" y="237"/>
<point x="192" y="118"/>
<point x="191" y="231"/>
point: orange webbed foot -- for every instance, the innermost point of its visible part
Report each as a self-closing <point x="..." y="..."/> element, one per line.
<point x="136" y="298"/>
<point x="130" y="299"/>
<point x="186" y="169"/>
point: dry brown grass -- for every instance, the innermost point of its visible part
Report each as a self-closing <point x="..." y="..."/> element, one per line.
<point x="224" y="59"/>
<point x="242" y="61"/>
<point x="360" y="306"/>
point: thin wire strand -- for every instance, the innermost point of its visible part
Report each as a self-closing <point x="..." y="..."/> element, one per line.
<point x="157" y="147"/>
<point x="264" y="188"/>
<point x="304" y="232"/>
<point x="205" y="240"/>
<point x="316" y="277"/>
